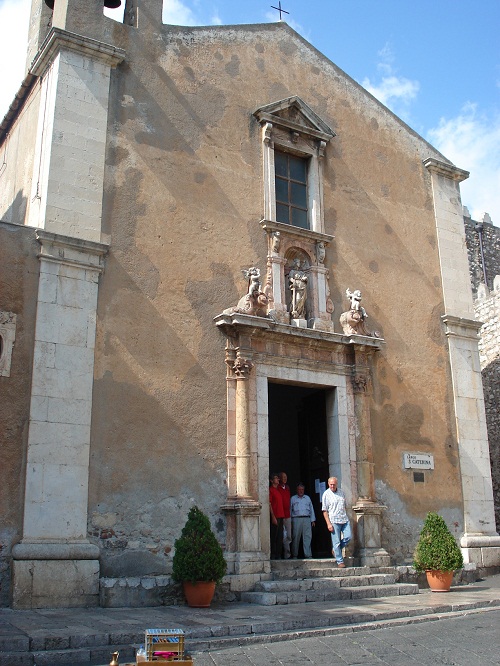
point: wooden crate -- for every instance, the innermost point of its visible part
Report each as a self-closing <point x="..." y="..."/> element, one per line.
<point x="164" y="640"/>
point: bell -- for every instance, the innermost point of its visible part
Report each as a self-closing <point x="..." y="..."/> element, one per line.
<point x="50" y="4"/>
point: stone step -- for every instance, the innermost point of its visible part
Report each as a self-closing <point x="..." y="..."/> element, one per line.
<point x="324" y="583"/>
<point x="330" y="570"/>
<point x="328" y="594"/>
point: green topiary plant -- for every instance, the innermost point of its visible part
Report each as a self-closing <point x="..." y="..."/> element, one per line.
<point x="437" y="549"/>
<point x="198" y="555"/>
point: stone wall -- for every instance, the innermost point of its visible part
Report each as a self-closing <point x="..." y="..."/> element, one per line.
<point x="487" y="308"/>
<point x="19" y="269"/>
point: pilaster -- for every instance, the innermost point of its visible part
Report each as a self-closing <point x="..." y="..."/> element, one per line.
<point x="367" y="509"/>
<point x="480" y="542"/>
<point x="54" y="546"/>
<point x="67" y="190"/>
<point x="242" y="507"/>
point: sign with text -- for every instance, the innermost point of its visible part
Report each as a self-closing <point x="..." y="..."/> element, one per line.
<point x="418" y="461"/>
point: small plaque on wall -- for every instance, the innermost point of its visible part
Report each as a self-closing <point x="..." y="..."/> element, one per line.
<point x="418" y="461"/>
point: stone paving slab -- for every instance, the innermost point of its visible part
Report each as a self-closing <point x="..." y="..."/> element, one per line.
<point x="86" y="636"/>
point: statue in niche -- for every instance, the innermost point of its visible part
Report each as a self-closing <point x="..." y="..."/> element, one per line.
<point x="353" y="321"/>
<point x="297" y="281"/>
<point x="255" y="301"/>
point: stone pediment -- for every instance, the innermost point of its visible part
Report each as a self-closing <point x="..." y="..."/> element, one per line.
<point x="295" y="115"/>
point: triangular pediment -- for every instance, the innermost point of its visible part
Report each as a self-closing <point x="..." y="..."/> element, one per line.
<point x="294" y="114"/>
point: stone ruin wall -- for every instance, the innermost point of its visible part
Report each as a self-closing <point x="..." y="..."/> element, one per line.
<point x="487" y="307"/>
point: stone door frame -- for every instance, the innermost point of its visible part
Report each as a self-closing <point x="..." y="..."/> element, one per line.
<point x="341" y="438"/>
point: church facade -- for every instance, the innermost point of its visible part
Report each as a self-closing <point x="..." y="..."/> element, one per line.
<point x="222" y="257"/>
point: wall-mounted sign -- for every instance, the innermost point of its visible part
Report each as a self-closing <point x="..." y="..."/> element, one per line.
<point x="418" y="461"/>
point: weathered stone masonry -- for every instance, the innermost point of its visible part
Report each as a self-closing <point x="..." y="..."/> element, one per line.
<point x="487" y="308"/>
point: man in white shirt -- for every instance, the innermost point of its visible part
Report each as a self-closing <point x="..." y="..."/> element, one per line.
<point x="303" y="520"/>
<point x="333" y="507"/>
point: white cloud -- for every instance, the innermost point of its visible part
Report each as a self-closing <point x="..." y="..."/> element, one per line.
<point x="471" y="140"/>
<point x="14" y="21"/>
<point x="176" y="12"/>
<point x="396" y="92"/>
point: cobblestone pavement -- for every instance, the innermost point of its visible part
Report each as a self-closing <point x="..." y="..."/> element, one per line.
<point x="469" y="639"/>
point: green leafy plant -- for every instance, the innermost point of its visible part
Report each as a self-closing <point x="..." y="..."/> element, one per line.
<point x="198" y="555"/>
<point x="437" y="549"/>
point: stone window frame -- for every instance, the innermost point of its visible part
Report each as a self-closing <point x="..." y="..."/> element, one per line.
<point x="302" y="133"/>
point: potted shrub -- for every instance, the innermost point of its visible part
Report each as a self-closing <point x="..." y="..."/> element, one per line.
<point x="437" y="553"/>
<point x="198" y="561"/>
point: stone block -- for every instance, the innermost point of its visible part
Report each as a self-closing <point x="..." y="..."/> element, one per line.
<point x="14" y="643"/>
<point x="364" y="592"/>
<point x="62" y="657"/>
<point x="88" y="640"/>
<point x="490" y="557"/>
<point x="55" y="584"/>
<point x="16" y="659"/>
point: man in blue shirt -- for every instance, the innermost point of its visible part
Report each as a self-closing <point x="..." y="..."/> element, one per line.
<point x="303" y="520"/>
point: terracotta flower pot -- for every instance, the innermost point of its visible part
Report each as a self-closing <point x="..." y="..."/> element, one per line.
<point x="439" y="581"/>
<point x="200" y="594"/>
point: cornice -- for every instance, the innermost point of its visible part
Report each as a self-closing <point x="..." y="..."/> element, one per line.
<point x="58" y="39"/>
<point x="446" y="170"/>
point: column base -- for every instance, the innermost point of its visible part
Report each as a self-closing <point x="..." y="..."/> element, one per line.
<point x="243" y="548"/>
<point x="369" y="518"/>
<point x="481" y="550"/>
<point x="55" y="576"/>
<point x="374" y="557"/>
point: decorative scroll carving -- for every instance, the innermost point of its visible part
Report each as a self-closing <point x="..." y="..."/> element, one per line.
<point x="353" y="321"/>
<point x="360" y="383"/>
<point x="329" y="303"/>
<point x="255" y="301"/>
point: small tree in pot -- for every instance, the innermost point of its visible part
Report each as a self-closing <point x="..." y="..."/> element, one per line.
<point x="437" y="553"/>
<point x="198" y="561"/>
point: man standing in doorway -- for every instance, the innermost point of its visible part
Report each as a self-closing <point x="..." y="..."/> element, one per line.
<point x="333" y="507"/>
<point x="277" y="515"/>
<point x="303" y="520"/>
<point x="284" y="489"/>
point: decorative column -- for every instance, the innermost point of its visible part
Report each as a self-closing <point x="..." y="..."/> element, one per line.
<point x="368" y="510"/>
<point x="242" y="507"/>
<point x="480" y="542"/>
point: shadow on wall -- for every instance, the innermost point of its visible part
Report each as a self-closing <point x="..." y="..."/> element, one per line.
<point x="16" y="212"/>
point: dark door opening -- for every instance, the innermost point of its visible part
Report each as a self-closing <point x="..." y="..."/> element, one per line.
<point x="298" y="445"/>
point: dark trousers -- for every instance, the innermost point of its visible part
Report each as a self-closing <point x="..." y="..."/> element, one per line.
<point x="277" y="540"/>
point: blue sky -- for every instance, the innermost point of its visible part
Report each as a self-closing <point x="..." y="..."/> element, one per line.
<point x="435" y="63"/>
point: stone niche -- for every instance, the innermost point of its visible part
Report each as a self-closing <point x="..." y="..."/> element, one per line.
<point x="297" y="277"/>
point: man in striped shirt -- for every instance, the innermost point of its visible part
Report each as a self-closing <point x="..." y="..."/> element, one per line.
<point x="333" y="507"/>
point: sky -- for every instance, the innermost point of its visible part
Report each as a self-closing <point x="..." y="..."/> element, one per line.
<point x="435" y="63"/>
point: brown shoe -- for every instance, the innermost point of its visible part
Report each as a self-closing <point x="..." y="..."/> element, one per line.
<point x="341" y="565"/>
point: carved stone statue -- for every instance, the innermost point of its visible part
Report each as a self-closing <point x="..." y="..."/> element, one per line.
<point x="320" y="252"/>
<point x="255" y="301"/>
<point x="353" y="321"/>
<point x="276" y="241"/>
<point x="298" y="286"/>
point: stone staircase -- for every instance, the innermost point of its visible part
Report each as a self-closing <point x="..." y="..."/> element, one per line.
<point x="300" y="581"/>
